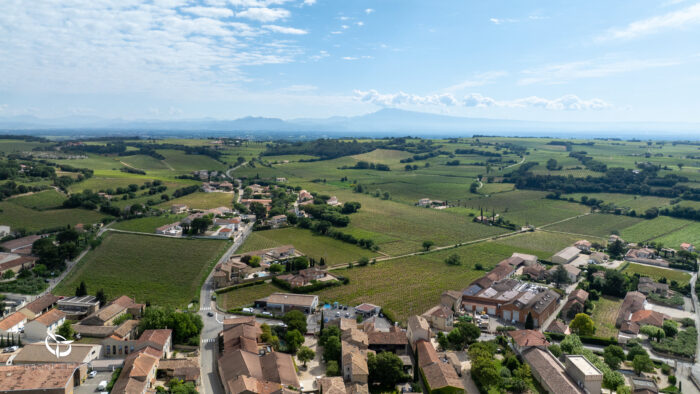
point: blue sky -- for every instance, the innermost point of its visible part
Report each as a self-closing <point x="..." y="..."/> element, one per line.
<point x="175" y="59"/>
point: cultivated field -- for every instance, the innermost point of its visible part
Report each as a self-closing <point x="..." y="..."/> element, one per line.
<point x="604" y="315"/>
<point x="650" y="229"/>
<point x="245" y="296"/>
<point x="159" y="270"/>
<point x="147" y="224"/>
<point x="201" y="200"/>
<point x="18" y="217"/>
<point x="638" y="203"/>
<point x="316" y="246"/>
<point x="403" y="286"/>
<point x="657" y="273"/>
<point x="689" y="234"/>
<point x="544" y="243"/>
<point x="595" y="225"/>
<point x="47" y="199"/>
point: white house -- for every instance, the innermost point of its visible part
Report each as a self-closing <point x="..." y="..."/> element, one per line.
<point x="48" y="322"/>
<point x="566" y="255"/>
<point x="173" y="230"/>
<point x="13" y="323"/>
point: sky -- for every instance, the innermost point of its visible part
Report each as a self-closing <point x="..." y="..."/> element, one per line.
<point x="603" y="61"/>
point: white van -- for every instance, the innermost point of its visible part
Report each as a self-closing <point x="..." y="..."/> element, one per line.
<point x="102" y="386"/>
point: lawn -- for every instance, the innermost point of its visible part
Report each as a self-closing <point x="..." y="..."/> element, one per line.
<point x="17" y="216"/>
<point x="201" y="200"/>
<point x="46" y="199"/>
<point x="159" y="270"/>
<point x="147" y="224"/>
<point x="403" y="286"/>
<point x="650" y="229"/>
<point x="657" y="273"/>
<point x="597" y="224"/>
<point x="316" y="246"/>
<point x="604" y="315"/>
<point x="545" y="243"/>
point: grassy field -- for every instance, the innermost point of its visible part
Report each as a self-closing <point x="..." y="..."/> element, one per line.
<point x="544" y="243"/>
<point x="657" y="273"/>
<point x="689" y="234"/>
<point x="46" y="199"/>
<point x="650" y="229"/>
<point x="403" y="286"/>
<point x="17" y="216"/>
<point x="598" y="225"/>
<point x="147" y="224"/>
<point x="316" y="246"/>
<point x="245" y="296"/>
<point x="604" y="315"/>
<point x="201" y="200"/>
<point x="162" y="271"/>
<point x="180" y="161"/>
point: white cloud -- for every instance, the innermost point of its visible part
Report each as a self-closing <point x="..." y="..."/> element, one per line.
<point x="568" y="102"/>
<point x="336" y="32"/>
<point x="262" y="14"/>
<point x="210" y="12"/>
<point x="309" y="2"/>
<point x="672" y="20"/>
<point x="369" y="11"/>
<point x="564" y="72"/>
<point x="478" y="80"/>
<point x="285" y="29"/>
<point x="499" y="21"/>
<point x="345" y="26"/>
<point x="360" y="23"/>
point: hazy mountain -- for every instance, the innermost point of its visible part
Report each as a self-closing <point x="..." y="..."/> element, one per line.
<point x="383" y="122"/>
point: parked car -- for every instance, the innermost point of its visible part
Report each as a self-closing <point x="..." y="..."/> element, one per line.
<point x="248" y="310"/>
<point x="266" y="313"/>
<point x="102" y="386"/>
<point x="92" y="374"/>
<point x="210" y="314"/>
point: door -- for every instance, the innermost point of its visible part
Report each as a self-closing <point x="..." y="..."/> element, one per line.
<point x="516" y="315"/>
<point x="506" y="315"/>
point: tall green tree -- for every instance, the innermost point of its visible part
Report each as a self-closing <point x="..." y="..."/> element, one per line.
<point x="305" y="354"/>
<point x="385" y="369"/>
<point x="582" y="324"/>
<point x="529" y="322"/>
<point x="81" y="290"/>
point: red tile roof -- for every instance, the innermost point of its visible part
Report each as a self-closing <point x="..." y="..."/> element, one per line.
<point x="526" y="338"/>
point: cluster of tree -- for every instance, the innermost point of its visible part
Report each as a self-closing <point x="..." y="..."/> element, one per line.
<point x="364" y="165"/>
<point x="10" y="188"/>
<point x="323" y="227"/>
<point x="69" y="243"/>
<point x="86" y="172"/>
<point x="615" y="180"/>
<point x="183" y="191"/>
<point x="385" y="370"/>
<point x="511" y="375"/>
<point x="115" y="147"/>
<point x="612" y="379"/>
<point x="409" y="167"/>
<point x="131" y="170"/>
<point x="425" y="156"/>
<point x="588" y="161"/>
<point x="330" y="341"/>
<point x="452" y="162"/>
<point x="100" y="296"/>
<point x="683" y="212"/>
<point x="463" y="334"/>
<point x="327" y="213"/>
<point x="325" y="149"/>
<point x="295" y="330"/>
<point x="177" y="386"/>
<point x="186" y="326"/>
<point x="86" y="199"/>
<point x="10" y="340"/>
<point x="552" y="165"/>
<point x="477" y="152"/>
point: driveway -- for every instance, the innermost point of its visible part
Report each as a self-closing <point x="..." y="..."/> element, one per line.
<point x="673" y="312"/>
<point x="90" y="384"/>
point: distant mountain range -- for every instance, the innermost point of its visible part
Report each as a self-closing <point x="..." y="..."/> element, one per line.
<point x="385" y="122"/>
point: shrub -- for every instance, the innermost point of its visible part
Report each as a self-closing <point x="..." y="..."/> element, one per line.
<point x="672" y="379"/>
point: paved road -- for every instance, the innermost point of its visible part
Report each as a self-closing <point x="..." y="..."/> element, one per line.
<point x="212" y="325"/>
<point x="562" y="302"/>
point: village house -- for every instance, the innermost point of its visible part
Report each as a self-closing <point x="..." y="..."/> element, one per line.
<point x="438" y="375"/>
<point x="572" y="272"/>
<point x="418" y="329"/>
<point x="12" y="324"/>
<point x="230" y="273"/>
<point x="306" y="276"/>
<point x="598" y="258"/>
<point x="643" y="386"/>
<point x="106" y="315"/>
<point x="15" y="262"/>
<point x="138" y="373"/>
<point x="39" y="306"/>
<point x="178" y="208"/>
<point x="440" y="318"/>
<point x="48" y="322"/>
<point x="367" y="310"/>
<point x="648" y="286"/>
<point x="576" y="303"/>
<point x="614" y="238"/>
<point x="566" y="255"/>
<point x="172" y="229"/>
<point x="277" y="221"/>
<point x="583" y="245"/>
<point x="354" y="350"/>
<point x="535" y="272"/>
<point x="304" y="196"/>
<point x="121" y="343"/>
<point x="558" y="327"/>
<point x="452" y="300"/>
<point x="37" y="353"/>
<point x="634" y="301"/>
<point x="184" y="369"/>
<point x="648" y="317"/>
<point x="245" y="364"/>
<point x="684" y="246"/>
<point x="280" y="179"/>
<point x="21" y="246"/>
<point x="49" y="378"/>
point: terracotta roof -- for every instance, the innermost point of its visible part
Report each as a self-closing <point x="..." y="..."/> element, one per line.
<point x="418" y="322"/>
<point x="135" y="372"/>
<point x="159" y="338"/>
<point x="454" y="294"/>
<point x="557" y="326"/>
<point x="550" y="371"/>
<point x="629" y="327"/>
<point x="440" y="374"/>
<point x="579" y="294"/>
<point x="426" y="353"/>
<point x="439" y="311"/>
<point x="366" y="307"/>
<point x="644" y="317"/>
<point x="20" y="242"/>
<point x="387" y="338"/>
<point x="37" y="353"/>
<point x="526" y="338"/>
<point x="633" y="302"/>
<point x="50" y="317"/>
<point x="41" y="303"/>
<point x="36" y="377"/>
<point x="11" y="321"/>
<point x="94" y="331"/>
<point x="332" y="385"/>
<point x="125" y="328"/>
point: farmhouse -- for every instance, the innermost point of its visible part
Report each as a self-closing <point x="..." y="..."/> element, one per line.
<point x="42" y="378"/>
<point x="333" y="201"/>
<point x="572" y="272"/>
<point x="451" y="299"/>
<point x="277" y="220"/>
<point x="48" y="322"/>
<point x="566" y="255"/>
<point x="633" y="302"/>
<point x="684" y="246"/>
<point x="648" y="286"/>
<point x="614" y="238"/>
<point x="138" y="373"/>
<point x="307" y="276"/>
<point x="528" y="259"/>
<point x="118" y="307"/>
<point x="245" y="365"/>
<point x="437" y="374"/>
<point x="42" y="304"/>
<point x="643" y="386"/>
<point x="20" y="245"/>
<point x="304" y="196"/>
<point x="15" y="262"/>
<point x="13" y="323"/>
<point x="172" y="229"/>
<point x="535" y="272"/>
<point x="646" y="256"/>
<point x="285" y="302"/>
<point x="646" y="317"/>
<point x="559" y="327"/>
<point x="575" y="303"/>
<point x="583" y="245"/>
<point x="178" y="208"/>
<point x="418" y="330"/>
<point x="598" y="258"/>
<point x="230" y="272"/>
